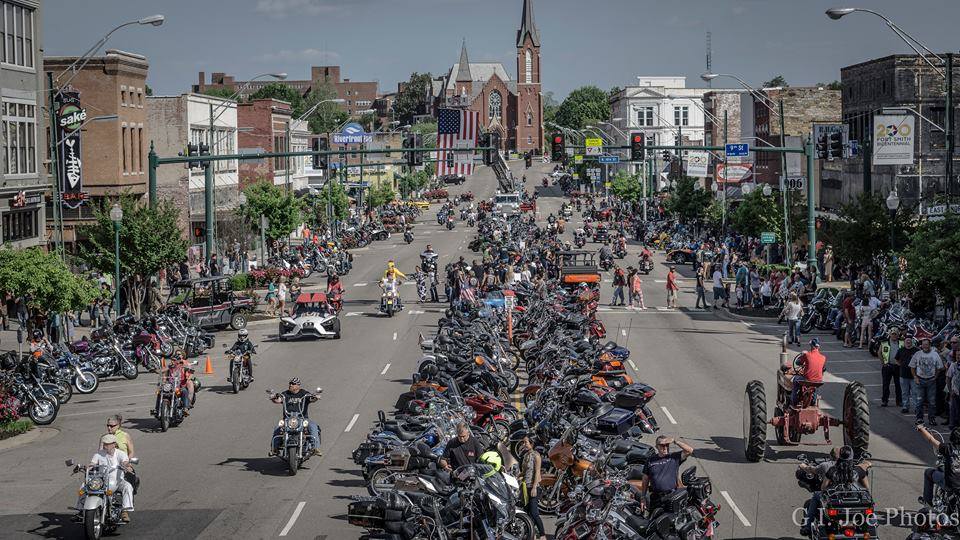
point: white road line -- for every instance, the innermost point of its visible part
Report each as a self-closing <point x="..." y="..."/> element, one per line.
<point x="394" y="336"/>
<point x="855" y="372"/>
<point x="361" y="284"/>
<point x="385" y="368"/>
<point x="634" y="366"/>
<point x="668" y="415"/>
<point x="417" y="312"/>
<point x="352" y="422"/>
<point x="736" y="509"/>
<point x="354" y="313"/>
<point x="293" y="518"/>
<point x="623" y="332"/>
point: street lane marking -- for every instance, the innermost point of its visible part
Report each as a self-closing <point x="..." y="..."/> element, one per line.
<point x="293" y="518"/>
<point x="623" y="332"/>
<point x="634" y="366"/>
<point x="361" y="284"/>
<point x="736" y="509"/>
<point x="385" y="368"/>
<point x="668" y="415"/>
<point x="394" y="336"/>
<point x="352" y="422"/>
<point x="354" y="313"/>
<point x="416" y="312"/>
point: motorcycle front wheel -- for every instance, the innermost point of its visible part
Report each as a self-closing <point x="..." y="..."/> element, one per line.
<point x="164" y="417"/>
<point x="235" y="378"/>
<point x="129" y="370"/>
<point x="64" y="391"/>
<point x="91" y="524"/>
<point x="292" y="462"/>
<point x="43" y="412"/>
<point x="86" y="382"/>
<point x="522" y="527"/>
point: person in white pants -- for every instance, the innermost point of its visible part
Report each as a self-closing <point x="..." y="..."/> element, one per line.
<point x="115" y="461"/>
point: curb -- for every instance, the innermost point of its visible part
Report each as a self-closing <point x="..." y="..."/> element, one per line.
<point x="727" y="314"/>
<point x="36" y="434"/>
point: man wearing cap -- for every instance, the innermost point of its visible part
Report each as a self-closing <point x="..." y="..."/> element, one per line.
<point x="297" y="400"/>
<point x="115" y="462"/>
<point x="812" y="364"/>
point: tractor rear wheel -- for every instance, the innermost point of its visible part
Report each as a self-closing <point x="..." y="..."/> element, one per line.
<point x="778" y="430"/>
<point x="856" y="417"/>
<point x="754" y="421"/>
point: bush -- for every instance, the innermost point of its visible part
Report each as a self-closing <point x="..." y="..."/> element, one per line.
<point x="765" y="269"/>
<point x="239" y="281"/>
<point x="436" y="194"/>
<point x="11" y="429"/>
<point x="8" y="410"/>
<point x="265" y="276"/>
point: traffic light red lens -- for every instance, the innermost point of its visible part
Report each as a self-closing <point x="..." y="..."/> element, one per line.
<point x="636" y="138"/>
<point x="558" y="139"/>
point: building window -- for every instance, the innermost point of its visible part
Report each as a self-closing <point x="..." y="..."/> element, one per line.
<point x="20" y="130"/>
<point x="495" y="106"/>
<point x="645" y="116"/>
<point x="17" y="30"/>
<point x="123" y="145"/>
<point x="140" y="149"/>
<point x="279" y="145"/>
<point x="681" y="116"/>
<point x="134" y="150"/>
<point x="529" y="67"/>
<point x="529" y="139"/>
<point x="20" y="225"/>
<point x="529" y="118"/>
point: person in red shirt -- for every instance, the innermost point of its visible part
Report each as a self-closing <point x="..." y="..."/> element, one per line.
<point x="672" y="288"/>
<point x="812" y="364"/>
<point x="850" y="314"/>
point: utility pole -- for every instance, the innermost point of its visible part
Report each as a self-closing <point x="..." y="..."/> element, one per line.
<point x="208" y="190"/>
<point x="723" y="184"/>
<point x="54" y="171"/>
<point x="948" y="128"/>
<point x="811" y="213"/>
<point x="783" y="187"/>
<point x="288" y="161"/>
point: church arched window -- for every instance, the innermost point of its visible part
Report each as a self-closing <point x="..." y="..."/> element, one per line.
<point x="529" y="67"/>
<point x="495" y="105"/>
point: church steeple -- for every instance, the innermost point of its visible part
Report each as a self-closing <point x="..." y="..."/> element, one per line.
<point x="528" y="26"/>
<point x="463" y="69"/>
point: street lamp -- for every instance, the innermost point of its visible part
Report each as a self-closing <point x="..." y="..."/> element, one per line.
<point x="152" y="20"/>
<point x="893" y="203"/>
<point x="116" y="216"/>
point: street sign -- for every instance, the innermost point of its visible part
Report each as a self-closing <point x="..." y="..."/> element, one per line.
<point x="609" y="159"/>
<point x="737" y="150"/>
<point x="578" y="159"/>
<point x="607" y="185"/>
<point x="352" y="133"/>
<point x="792" y="182"/>
<point x="768" y="238"/>
<point x="937" y="212"/>
<point x="594" y="146"/>
<point x="697" y="164"/>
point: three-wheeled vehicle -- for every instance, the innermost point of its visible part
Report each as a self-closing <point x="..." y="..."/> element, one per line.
<point x="313" y="316"/>
<point x="211" y="303"/>
<point x="578" y="267"/>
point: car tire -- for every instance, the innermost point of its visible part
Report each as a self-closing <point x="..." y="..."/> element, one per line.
<point x="238" y="321"/>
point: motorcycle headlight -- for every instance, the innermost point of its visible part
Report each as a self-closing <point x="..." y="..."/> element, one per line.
<point x="293" y="423"/>
<point x="167" y="387"/>
<point x="95" y="484"/>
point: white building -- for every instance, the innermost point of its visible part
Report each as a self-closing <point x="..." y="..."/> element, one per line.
<point x="299" y="142"/>
<point x="662" y="108"/>
<point x="176" y="121"/>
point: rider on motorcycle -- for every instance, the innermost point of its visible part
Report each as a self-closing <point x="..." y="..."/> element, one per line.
<point x="113" y="460"/>
<point x="244" y="348"/>
<point x="622" y="244"/>
<point x="177" y="368"/>
<point x="334" y="291"/>
<point x="813" y="363"/>
<point x="605" y="252"/>
<point x="294" y="400"/>
<point x="948" y="477"/>
<point x="392" y="272"/>
<point x="838" y="472"/>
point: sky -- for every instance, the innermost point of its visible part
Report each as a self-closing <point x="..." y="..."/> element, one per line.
<point x="601" y="42"/>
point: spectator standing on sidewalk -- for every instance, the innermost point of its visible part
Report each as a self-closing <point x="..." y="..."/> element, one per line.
<point x="701" y="290"/>
<point x="828" y="263"/>
<point x="867" y="310"/>
<point x="903" y="357"/>
<point x="953" y="381"/>
<point x="850" y="317"/>
<point x="889" y="370"/>
<point x="672" y="287"/>
<point x="636" y="292"/>
<point x="925" y="365"/>
<point x="717" y="286"/>
<point x="791" y="312"/>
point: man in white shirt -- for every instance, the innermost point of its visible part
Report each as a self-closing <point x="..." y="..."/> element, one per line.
<point x="867" y="310"/>
<point x="925" y="365"/>
<point x="115" y="462"/>
<point x="718" y="289"/>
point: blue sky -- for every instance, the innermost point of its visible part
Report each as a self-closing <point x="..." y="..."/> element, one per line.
<point x="603" y="42"/>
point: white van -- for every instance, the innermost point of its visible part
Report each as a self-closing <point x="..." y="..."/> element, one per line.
<point x="506" y="203"/>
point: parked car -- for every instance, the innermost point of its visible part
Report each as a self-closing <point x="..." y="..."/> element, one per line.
<point x="211" y="303"/>
<point x="453" y="179"/>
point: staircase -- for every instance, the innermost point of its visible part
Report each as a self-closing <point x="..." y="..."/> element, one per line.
<point x="502" y="171"/>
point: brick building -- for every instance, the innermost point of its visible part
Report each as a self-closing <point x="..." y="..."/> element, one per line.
<point x="904" y="82"/>
<point x="802" y="106"/>
<point x="513" y="109"/>
<point x="262" y="125"/>
<point x="357" y="95"/>
<point x="114" y="153"/>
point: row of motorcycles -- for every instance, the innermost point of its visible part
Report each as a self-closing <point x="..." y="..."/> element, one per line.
<point x="315" y="259"/>
<point x="42" y="381"/>
<point x="582" y="411"/>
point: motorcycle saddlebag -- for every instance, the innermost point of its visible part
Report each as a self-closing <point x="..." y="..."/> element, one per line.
<point x="615" y="422"/>
<point x="633" y="396"/>
<point x="368" y="514"/>
<point x="367" y="449"/>
<point x="676" y="501"/>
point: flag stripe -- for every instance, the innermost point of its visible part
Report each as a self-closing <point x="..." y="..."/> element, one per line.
<point x="456" y="129"/>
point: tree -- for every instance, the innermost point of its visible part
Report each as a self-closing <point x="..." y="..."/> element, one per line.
<point x="220" y="92"/>
<point x="282" y="209"/>
<point x="615" y="90"/>
<point x="835" y="85"/>
<point x="412" y="101"/>
<point x="44" y="280"/>
<point x="369" y="121"/>
<point x="150" y="240"/>
<point x="584" y="105"/>
<point x="410" y="183"/>
<point x="686" y="202"/>
<point x="932" y="257"/>
<point x="550" y="107"/>
<point x="328" y="116"/>
<point x="282" y="92"/>
<point x="861" y="234"/>
<point x="777" y="81"/>
<point x="757" y="213"/>
<point x="428" y="131"/>
<point x="147" y="90"/>
<point x="317" y="204"/>
<point x="380" y="195"/>
<point x="626" y="186"/>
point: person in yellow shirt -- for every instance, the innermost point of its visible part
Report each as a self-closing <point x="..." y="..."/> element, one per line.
<point x="392" y="272"/>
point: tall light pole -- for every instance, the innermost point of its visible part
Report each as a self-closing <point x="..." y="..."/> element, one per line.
<point x="946" y="73"/>
<point x="116" y="216"/>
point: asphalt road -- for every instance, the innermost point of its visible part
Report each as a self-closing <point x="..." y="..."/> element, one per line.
<point x="211" y="477"/>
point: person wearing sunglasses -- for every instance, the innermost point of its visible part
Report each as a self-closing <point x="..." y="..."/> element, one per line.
<point x="124" y="444"/>
<point x="661" y="474"/>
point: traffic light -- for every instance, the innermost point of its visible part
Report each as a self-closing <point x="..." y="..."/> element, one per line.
<point x="835" y="145"/>
<point x="198" y="232"/>
<point x="450" y="163"/>
<point x="320" y="144"/>
<point x="822" y="146"/>
<point x="637" y="143"/>
<point x="192" y="150"/>
<point x="408" y="143"/>
<point x="204" y="150"/>
<point x="418" y="143"/>
<point x="557" y="147"/>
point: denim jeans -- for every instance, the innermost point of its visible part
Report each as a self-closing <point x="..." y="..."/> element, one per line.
<point x="931" y="477"/>
<point x="617" y="293"/>
<point x="701" y="297"/>
<point x="313" y="431"/>
<point x="954" y="411"/>
<point x="925" y="390"/>
<point x="813" y="508"/>
<point x="908" y="386"/>
<point x="793" y="331"/>
<point x="534" y="512"/>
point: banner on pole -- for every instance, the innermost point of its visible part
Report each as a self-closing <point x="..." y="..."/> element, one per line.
<point x="893" y="139"/>
<point x="697" y="164"/>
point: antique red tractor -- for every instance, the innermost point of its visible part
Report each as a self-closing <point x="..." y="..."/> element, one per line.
<point x="791" y="421"/>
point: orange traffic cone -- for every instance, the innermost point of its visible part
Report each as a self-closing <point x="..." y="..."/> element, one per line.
<point x="208" y="368"/>
<point x="163" y="363"/>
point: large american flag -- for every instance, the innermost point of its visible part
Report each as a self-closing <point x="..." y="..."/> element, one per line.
<point x="456" y="128"/>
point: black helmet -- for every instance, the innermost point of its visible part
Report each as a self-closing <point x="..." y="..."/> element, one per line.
<point x="448" y="313"/>
<point x="37" y="334"/>
<point x="429" y="371"/>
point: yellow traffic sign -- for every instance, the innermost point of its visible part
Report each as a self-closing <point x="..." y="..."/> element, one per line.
<point x="578" y="159"/>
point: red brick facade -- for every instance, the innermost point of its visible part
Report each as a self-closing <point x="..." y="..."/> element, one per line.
<point x="262" y="127"/>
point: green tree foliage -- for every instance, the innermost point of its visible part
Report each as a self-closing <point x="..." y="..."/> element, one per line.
<point x="369" y="121"/>
<point x="327" y="116"/>
<point x="775" y="82"/>
<point x="412" y="182"/>
<point x="147" y="90"/>
<point x="219" y="92"/>
<point x="282" y="209"/>
<point x="282" y="92"/>
<point x="686" y="202"/>
<point x="380" y="195"/>
<point x="627" y="186"/>
<point x="835" y="85"/>
<point x="932" y="259"/>
<point x="757" y="213"/>
<point x="341" y="203"/>
<point x="585" y="105"/>
<point x="44" y="278"/>
<point x="412" y="100"/>
<point x="429" y="132"/>
<point x="861" y="234"/>
<point x="550" y="107"/>
<point x="150" y="239"/>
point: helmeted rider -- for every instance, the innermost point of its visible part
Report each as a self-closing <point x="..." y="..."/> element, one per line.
<point x="244" y="348"/>
<point x="605" y="252"/>
<point x="177" y="368"/>
<point x="297" y="400"/>
<point x="392" y="272"/>
<point x="842" y="471"/>
<point x="948" y="477"/>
